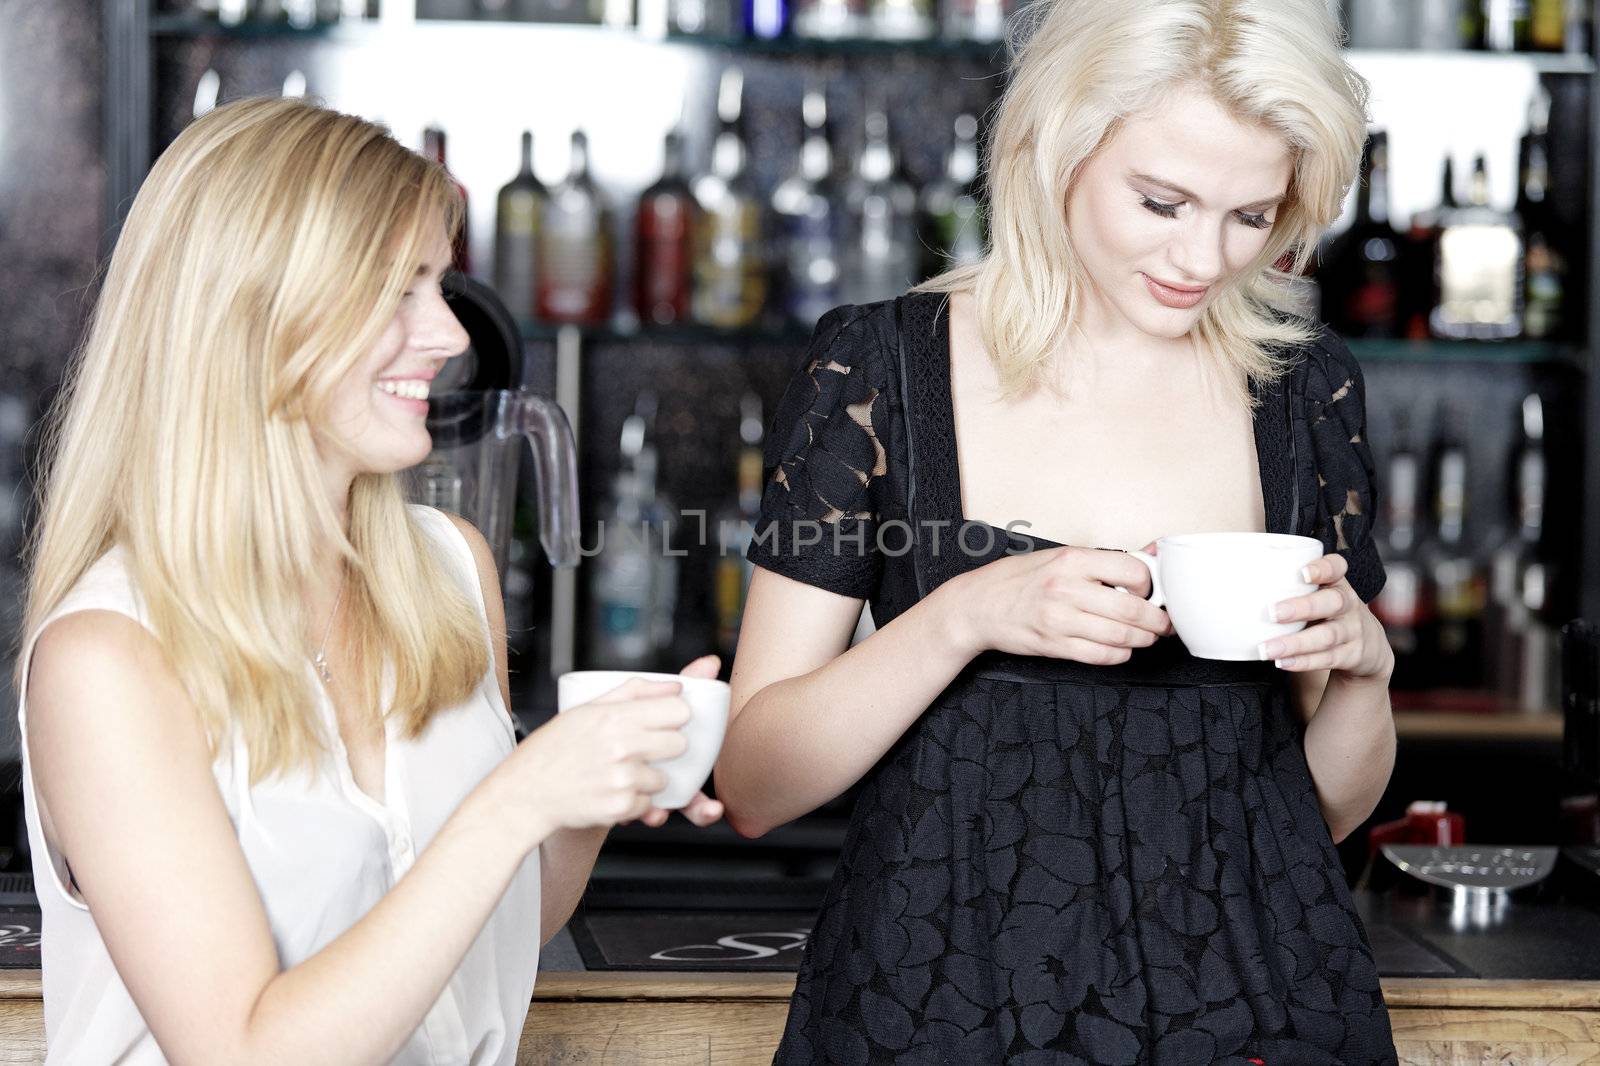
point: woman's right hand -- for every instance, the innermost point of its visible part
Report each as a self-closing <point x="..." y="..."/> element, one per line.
<point x="589" y="765"/>
<point x="1065" y="603"/>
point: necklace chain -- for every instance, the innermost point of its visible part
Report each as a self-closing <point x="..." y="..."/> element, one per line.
<point x="320" y="660"/>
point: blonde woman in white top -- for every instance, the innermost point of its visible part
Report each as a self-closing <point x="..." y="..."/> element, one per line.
<point x="240" y="861"/>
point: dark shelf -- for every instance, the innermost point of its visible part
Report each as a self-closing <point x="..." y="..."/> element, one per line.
<point x="190" y="26"/>
<point x="1512" y="352"/>
<point x="689" y="333"/>
<point x="987" y="51"/>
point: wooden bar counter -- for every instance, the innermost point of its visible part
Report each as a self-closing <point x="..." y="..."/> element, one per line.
<point x="690" y="1019"/>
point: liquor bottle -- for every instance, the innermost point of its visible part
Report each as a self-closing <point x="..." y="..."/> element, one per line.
<point x="518" y="210"/>
<point x="882" y="259"/>
<point x="1480" y="268"/>
<point x="729" y="276"/>
<point x="660" y="516"/>
<point x="1547" y="25"/>
<point x="902" y="20"/>
<point x="1362" y="290"/>
<point x="575" y="247"/>
<point x="1380" y="24"/>
<point x="1580" y="27"/>
<point x="633" y="587"/>
<point x="809" y="222"/>
<point x="954" y="224"/>
<point x="1403" y="605"/>
<point x="1446" y="25"/>
<point x="765" y="20"/>
<point x="619" y="589"/>
<point x="735" y="525"/>
<point x="664" y="240"/>
<point x="701" y="18"/>
<point x="1455" y="644"/>
<point x="976" y="20"/>
<point x="1544" y="278"/>
<point x="1420" y="294"/>
<point x="433" y="147"/>
<point x="1521" y="641"/>
<point x="829" y="18"/>
<point x="1506" y="25"/>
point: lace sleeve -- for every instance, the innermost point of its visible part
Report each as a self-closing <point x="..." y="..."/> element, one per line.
<point x="824" y="460"/>
<point x="1347" y="503"/>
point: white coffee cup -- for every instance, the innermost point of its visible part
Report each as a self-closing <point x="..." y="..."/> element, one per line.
<point x="708" y="723"/>
<point x="1219" y="587"/>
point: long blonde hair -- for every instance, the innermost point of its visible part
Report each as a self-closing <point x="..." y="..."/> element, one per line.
<point x="261" y="260"/>
<point x="1084" y="68"/>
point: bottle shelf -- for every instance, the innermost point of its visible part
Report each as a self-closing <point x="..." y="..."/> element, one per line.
<point x="995" y="52"/>
<point x="1513" y="352"/>
<point x="794" y="336"/>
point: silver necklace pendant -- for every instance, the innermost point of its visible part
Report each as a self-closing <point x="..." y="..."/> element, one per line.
<point x="320" y="661"/>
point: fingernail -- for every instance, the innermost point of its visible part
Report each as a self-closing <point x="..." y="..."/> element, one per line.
<point x="1275" y="612"/>
<point x="1261" y="650"/>
<point x="1284" y="664"/>
<point x="1305" y="575"/>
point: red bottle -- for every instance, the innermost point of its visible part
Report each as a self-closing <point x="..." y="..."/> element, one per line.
<point x="664" y="238"/>
<point x="433" y="148"/>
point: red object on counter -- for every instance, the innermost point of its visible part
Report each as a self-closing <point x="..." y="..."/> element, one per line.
<point x="1426" y="822"/>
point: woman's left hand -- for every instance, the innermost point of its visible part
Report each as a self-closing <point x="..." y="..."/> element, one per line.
<point x="702" y="810"/>
<point x="1341" y="633"/>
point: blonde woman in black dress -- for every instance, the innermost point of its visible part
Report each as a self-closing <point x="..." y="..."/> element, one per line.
<point x="1074" y="842"/>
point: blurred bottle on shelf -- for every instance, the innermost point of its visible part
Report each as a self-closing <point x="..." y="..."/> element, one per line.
<point x="730" y="285"/>
<point x="519" y="208"/>
<point x="765" y="20"/>
<point x="433" y="147"/>
<point x="1403" y="606"/>
<point x="1454" y="648"/>
<point x="809" y="222"/>
<point x="576" y="272"/>
<point x="829" y="18"/>
<point x="901" y="20"/>
<point x="735" y="523"/>
<point x="232" y="12"/>
<point x="1545" y="273"/>
<point x="882" y="261"/>
<point x="1480" y="268"/>
<point x="1522" y="642"/>
<point x="1361" y="290"/>
<point x="1507" y="25"/>
<point x="955" y="231"/>
<point x="976" y="20"/>
<point x="1381" y="24"/>
<point x="633" y="583"/>
<point x="1580" y="27"/>
<point x="664" y="241"/>
<point x="1547" y="28"/>
<point x="701" y="18"/>
<point x="1420" y="260"/>
<point x="1446" y="25"/>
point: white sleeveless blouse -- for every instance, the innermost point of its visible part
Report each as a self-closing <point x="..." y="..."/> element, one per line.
<point x="322" y="852"/>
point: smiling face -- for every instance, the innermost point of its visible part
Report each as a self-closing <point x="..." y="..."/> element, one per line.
<point x="376" y="421"/>
<point x="1170" y="210"/>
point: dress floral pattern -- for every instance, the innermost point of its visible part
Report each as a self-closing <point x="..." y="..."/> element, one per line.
<point x="1061" y="863"/>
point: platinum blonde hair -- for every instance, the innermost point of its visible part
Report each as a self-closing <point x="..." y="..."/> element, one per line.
<point x="1083" y="68"/>
<point x="262" y="259"/>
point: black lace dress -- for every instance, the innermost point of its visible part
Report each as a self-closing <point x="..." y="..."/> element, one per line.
<point x="1061" y="863"/>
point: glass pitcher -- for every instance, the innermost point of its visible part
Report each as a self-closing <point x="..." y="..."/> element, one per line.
<point x="472" y="471"/>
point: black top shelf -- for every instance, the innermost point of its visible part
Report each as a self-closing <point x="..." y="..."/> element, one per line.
<point x="794" y="337"/>
<point x="191" y="26"/>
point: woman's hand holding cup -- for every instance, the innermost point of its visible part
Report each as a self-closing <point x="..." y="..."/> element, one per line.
<point x="1342" y="634"/>
<point x="1063" y="603"/>
<point x="590" y="767"/>
<point x="701" y="810"/>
